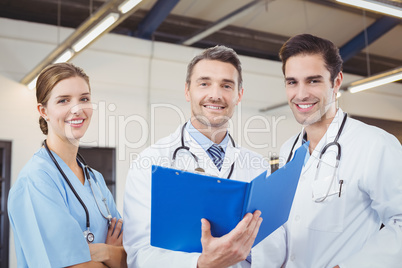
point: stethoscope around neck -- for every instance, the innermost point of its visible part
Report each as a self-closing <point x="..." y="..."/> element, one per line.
<point x="184" y="147"/>
<point x="338" y="157"/>
<point x="89" y="236"/>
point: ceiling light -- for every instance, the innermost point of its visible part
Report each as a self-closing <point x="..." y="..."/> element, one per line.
<point x="102" y="26"/>
<point x="376" y="6"/>
<point x="32" y="84"/>
<point x="102" y="21"/>
<point x="65" y="56"/>
<point x="377" y="80"/>
<point x="127" y="5"/>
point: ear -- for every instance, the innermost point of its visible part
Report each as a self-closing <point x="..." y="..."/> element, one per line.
<point x="42" y="110"/>
<point x="187" y="92"/>
<point x="241" y="91"/>
<point x="338" y="82"/>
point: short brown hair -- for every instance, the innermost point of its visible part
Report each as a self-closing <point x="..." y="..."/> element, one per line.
<point x="219" y="53"/>
<point x="308" y="44"/>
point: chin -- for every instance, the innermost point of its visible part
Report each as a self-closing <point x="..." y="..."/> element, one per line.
<point x="305" y="120"/>
<point x="308" y="118"/>
<point x="75" y="138"/>
<point x="218" y="123"/>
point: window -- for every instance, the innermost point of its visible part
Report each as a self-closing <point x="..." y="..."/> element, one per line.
<point x="104" y="161"/>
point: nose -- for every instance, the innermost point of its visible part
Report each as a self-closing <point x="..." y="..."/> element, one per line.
<point x="301" y="92"/>
<point x="76" y="109"/>
<point x="215" y="92"/>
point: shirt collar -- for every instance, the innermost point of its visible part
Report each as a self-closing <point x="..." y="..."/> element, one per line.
<point x="202" y="140"/>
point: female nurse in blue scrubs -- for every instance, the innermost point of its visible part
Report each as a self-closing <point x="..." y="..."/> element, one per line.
<point x="61" y="211"/>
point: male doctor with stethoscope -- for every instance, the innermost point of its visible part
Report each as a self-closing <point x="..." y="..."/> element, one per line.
<point x="351" y="182"/>
<point x="203" y="144"/>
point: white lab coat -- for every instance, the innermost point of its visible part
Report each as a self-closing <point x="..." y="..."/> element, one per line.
<point x="344" y="230"/>
<point x="137" y="199"/>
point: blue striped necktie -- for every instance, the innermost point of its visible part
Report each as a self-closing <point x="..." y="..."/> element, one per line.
<point x="216" y="155"/>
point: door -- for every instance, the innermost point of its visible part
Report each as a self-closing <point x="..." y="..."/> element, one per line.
<point x="5" y="178"/>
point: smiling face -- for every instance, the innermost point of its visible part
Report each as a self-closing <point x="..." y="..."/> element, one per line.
<point x="213" y="94"/>
<point x="68" y="110"/>
<point x="311" y="93"/>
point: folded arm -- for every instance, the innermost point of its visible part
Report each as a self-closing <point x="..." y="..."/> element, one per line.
<point x="112" y="252"/>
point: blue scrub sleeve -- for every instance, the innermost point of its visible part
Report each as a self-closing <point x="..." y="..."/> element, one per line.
<point x="46" y="234"/>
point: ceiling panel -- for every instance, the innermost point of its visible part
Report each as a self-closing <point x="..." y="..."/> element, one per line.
<point x="258" y="34"/>
<point x="389" y="45"/>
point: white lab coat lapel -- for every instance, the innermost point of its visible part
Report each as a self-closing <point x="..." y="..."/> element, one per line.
<point x="231" y="155"/>
<point x="184" y="159"/>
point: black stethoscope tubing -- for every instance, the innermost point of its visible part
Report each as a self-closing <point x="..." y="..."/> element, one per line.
<point x="183" y="147"/>
<point x="68" y="182"/>
<point x="335" y="142"/>
<point x="90" y="235"/>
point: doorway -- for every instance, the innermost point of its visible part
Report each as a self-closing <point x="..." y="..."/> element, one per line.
<point x="5" y="179"/>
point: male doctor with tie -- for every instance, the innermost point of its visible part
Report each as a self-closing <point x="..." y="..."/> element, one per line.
<point x="213" y="88"/>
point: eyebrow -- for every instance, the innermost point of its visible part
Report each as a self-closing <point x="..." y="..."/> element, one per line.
<point x="62" y="96"/>
<point x="314" y="77"/>
<point x="67" y="96"/>
<point x="203" y="78"/>
<point x="229" y="81"/>
<point x="209" y="78"/>
<point x="307" y="78"/>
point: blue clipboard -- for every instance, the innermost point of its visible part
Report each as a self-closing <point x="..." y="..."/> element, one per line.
<point x="181" y="199"/>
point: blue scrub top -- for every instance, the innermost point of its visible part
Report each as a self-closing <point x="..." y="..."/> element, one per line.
<point x="48" y="220"/>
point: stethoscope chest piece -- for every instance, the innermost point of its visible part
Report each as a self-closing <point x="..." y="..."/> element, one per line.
<point x="89" y="236"/>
